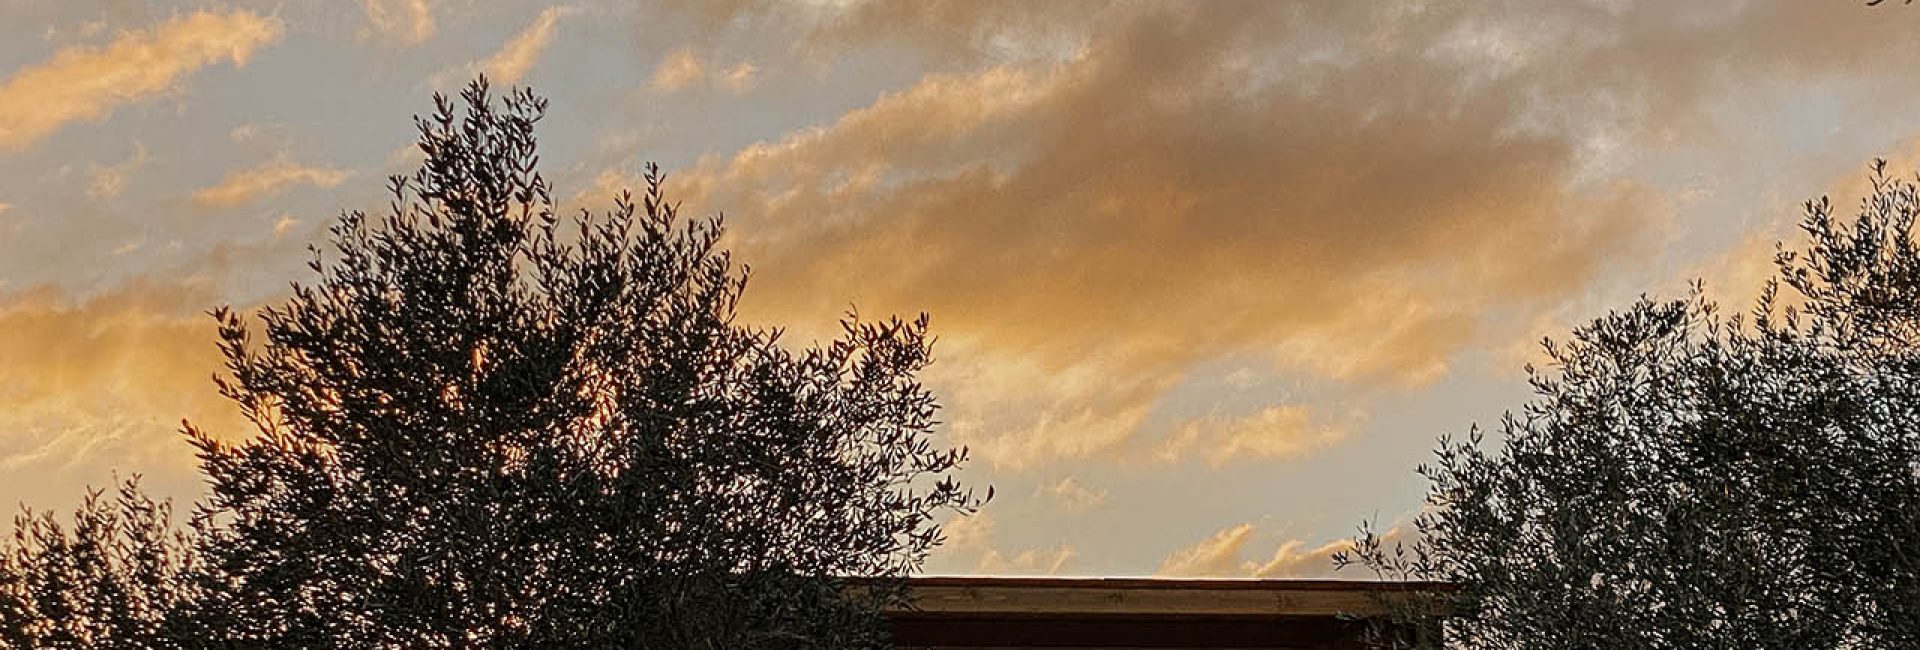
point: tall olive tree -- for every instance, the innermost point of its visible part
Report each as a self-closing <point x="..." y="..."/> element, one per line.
<point x="109" y="579"/>
<point x="486" y="425"/>
<point x="1689" y="479"/>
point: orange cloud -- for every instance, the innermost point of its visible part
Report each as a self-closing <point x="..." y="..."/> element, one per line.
<point x="244" y="185"/>
<point x="1273" y="432"/>
<point x="81" y="83"/>
<point x="108" y="181"/>
<point x="1072" y="495"/>
<point x="677" y="71"/>
<point x="1186" y="185"/>
<point x="741" y="77"/>
<point x="970" y="550"/>
<point x="1225" y="555"/>
<point x="99" y="384"/>
<point x="409" y="22"/>
<point x="515" y="58"/>
<point x="1216" y="556"/>
<point x="683" y="69"/>
<point x="519" y="54"/>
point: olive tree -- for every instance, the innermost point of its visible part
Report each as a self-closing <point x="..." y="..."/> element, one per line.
<point x="111" y="578"/>
<point x="484" y="424"/>
<point x="1686" y="478"/>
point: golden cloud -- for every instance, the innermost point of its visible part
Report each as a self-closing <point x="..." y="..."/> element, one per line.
<point x="409" y="22"/>
<point x="1095" y="199"/>
<point x="1216" y="556"/>
<point x="1072" y="495"/>
<point x="1274" y="432"/>
<point x="741" y="77"/>
<point x="520" y="52"/>
<point x="1187" y="185"/>
<point x="99" y="384"/>
<point x="244" y="185"/>
<point x="1224" y="555"/>
<point x="677" y="71"/>
<point x="970" y="550"/>
<point x="108" y="181"/>
<point x="1294" y="559"/>
<point x="81" y="83"/>
<point x="683" y="69"/>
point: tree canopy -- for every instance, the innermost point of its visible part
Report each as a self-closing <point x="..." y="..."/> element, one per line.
<point x="1686" y="478"/>
<point x="489" y="425"/>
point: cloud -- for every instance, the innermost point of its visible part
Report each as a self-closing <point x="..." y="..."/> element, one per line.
<point x="81" y="83"/>
<point x="107" y="182"/>
<point x="741" y="77"/>
<point x="515" y="58"/>
<point x="1225" y="555"/>
<point x="970" y="549"/>
<point x="1364" y="194"/>
<point x="98" y="383"/>
<point x="1034" y="561"/>
<point x="1216" y="556"/>
<point x="678" y="71"/>
<point x="1187" y="185"/>
<point x="245" y="185"/>
<point x="519" y="54"/>
<point x="942" y="30"/>
<point x="1294" y="559"/>
<point x="285" y="223"/>
<point x="1277" y="432"/>
<point x="1072" y="495"/>
<point x="683" y="69"/>
<point x="408" y="22"/>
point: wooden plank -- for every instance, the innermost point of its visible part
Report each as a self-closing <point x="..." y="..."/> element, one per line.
<point x="1052" y="598"/>
<point x="912" y="630"/>
<point x="1180" y="583"/>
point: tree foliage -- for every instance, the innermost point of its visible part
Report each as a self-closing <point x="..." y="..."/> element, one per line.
<point x="1689" y="479"/>
<point x="110" y="580"/>
<point x="488" y="425"/>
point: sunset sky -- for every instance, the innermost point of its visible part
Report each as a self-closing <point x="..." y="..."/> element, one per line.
<point x="1209" y="277"/>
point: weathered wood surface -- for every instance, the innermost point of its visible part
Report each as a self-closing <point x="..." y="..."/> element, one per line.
<point x="1142" y="613"/>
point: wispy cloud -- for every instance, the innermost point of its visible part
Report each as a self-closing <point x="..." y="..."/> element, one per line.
<point x="741" y="77"/>
<point x="285" y="223"/>
<point x="1027" y="202"/>
<point x="108" y="181"/>
<point x="677" y="71"/>
<point x="683" y="69"/>
<point x="519" y="54"/>
<point x="1225" y="554"/>
<point x="408" y="22"/>
<point x="1072" y="495"/>
<point x="1141" y="189"/>
<point x="1273" y="432"/>
<point x="81" y="83"/>
<point x="1297" y="559"/>
<point x="244" y="185"/>
<point x="515" y="58"/>
<point x="971" y="548"/>
<point x="100" y="382"/>
<point x="1216" y="556"/>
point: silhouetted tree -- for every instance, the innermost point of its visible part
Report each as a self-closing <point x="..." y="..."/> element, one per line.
<point x="1686" y="479"/>
<point x="109" y="581"/>
<point x="485" y="425"/>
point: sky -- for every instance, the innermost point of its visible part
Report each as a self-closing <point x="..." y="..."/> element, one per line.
<point x="1209" y="278"/>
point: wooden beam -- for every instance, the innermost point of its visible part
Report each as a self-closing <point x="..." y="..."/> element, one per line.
<point x="1158" y="597"/>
